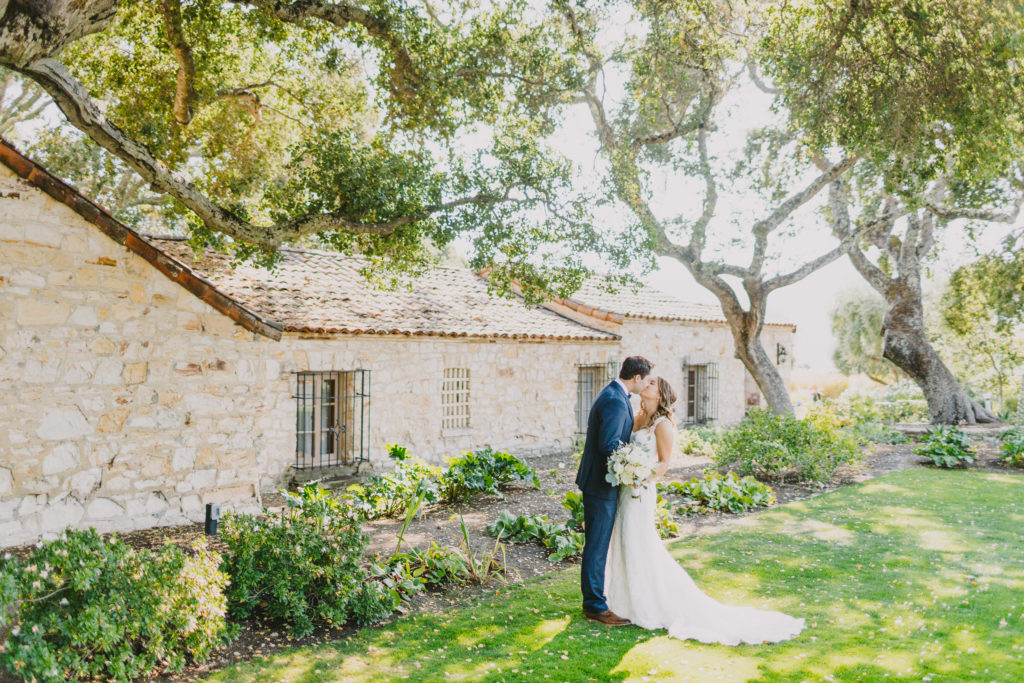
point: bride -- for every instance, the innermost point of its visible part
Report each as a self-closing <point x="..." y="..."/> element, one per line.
<point x="644" y="583"/>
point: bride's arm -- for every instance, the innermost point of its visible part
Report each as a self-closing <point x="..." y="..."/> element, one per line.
<point x="664" y="439"/>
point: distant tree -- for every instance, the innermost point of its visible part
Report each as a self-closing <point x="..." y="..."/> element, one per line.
<point x="991" y="287"/>
<point x="986" y="345"/>
<point x="929" y="94"/>
<point x="856" y="323"/>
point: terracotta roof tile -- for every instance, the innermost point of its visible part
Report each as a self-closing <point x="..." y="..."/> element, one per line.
<point x="323" y="292"/>
<point x="648" y="303"/>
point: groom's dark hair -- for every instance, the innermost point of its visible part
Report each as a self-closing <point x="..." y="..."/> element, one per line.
<point x="635" y="365"/>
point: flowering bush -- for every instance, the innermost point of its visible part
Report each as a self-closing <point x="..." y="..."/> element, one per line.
<point x="82" y="607"/>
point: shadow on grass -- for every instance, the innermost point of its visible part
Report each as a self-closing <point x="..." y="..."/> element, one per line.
<point x="918" y="575"/>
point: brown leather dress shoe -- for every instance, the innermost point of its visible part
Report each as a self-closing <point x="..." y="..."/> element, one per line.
<point x="607" y="617"/>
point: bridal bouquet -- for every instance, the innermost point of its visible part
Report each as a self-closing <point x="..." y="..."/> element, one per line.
<point x="631" y="465"/>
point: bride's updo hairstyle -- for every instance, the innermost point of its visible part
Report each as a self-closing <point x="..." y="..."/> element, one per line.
<point x="666" y="397"/>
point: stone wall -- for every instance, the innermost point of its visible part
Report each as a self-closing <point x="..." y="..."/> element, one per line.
<point x="129" y="403"/>
<point x="669" y="343"/>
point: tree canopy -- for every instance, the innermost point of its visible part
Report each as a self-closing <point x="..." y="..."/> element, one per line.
<point x="381" y="127"/>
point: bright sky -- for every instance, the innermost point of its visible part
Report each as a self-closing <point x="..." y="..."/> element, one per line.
<point x="807" y="303"/>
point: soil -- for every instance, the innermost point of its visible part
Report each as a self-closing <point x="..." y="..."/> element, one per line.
<point x="439" y="523"/>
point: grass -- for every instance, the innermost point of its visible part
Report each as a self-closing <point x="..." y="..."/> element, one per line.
<point x="918" y="575"/>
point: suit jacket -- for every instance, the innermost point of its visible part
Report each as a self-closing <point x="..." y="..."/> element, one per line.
<point x="610" y="424"/>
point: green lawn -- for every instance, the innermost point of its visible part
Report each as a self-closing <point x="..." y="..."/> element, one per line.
<point x="918" y="575"/>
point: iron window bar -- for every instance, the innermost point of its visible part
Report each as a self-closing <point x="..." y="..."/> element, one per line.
<point x="332" y="418"/>
<point x="700" y="392"/>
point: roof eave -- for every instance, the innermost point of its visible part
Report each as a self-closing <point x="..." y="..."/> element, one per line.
<point x="175" y="270"/>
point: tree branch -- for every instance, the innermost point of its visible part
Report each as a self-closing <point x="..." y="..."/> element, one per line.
<point x="756" y="78"/>
<point x="184" y="92"/>
<point x="765" y="226"/>
<point x="72" y="99"/>
<point x="842" y="228"/>
<point x="344" y="14"/>
<point x="698" y="233"/>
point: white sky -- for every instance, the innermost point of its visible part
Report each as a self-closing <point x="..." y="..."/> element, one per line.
<point x="807" y="303"/>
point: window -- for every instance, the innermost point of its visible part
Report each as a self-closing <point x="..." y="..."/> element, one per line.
<point x="700" y="393"/>
<point x="332" y="418"/>
<point x="455" y="399"/>
<point x="590" y="379"/>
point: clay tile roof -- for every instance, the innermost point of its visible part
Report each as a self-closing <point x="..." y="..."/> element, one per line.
<point x="324" y="292"/>
<point x="648" y="303"/>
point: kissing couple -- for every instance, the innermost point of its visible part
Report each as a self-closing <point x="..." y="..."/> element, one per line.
<point x="628" y="576"/>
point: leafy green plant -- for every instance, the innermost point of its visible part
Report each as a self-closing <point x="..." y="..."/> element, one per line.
<point x="715" y="492"/>
<point x="783" y="447"/>
<point x="481" y="566"/>
<point x="301" y="567"/>
<point x="564" y="544"/>
<point x="664" y="520"/>
<point x="573" y="502"/>
<point x="1013" y="447"/>
<point x="390" y="494"/>
<point x="521" y="528"/>
<point x="563" y="540"/>
<point x="82" y="607"/>
<point x="947" y="446"/>
<point x="485" y="471"/>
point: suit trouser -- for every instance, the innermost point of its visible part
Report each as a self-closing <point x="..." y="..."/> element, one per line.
<point x="598" y="518"/>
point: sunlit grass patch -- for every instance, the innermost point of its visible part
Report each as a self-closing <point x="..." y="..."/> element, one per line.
<point x="918" y="576"/>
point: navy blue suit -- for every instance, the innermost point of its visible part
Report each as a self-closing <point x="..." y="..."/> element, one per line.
<point x="610" y="424"/>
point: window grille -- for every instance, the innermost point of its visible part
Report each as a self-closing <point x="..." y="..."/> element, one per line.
<point x="332" y="420"/>
<point x="700" y="393"/>
<point x="455" y="399"/>
<point x="590" y="380"/>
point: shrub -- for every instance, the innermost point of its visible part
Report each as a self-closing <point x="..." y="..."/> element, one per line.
<point x="302" y="566"/>
<point x="477" y="472"/>
<point x="82" y="607"/>
<point x="784" y="447"/>
<point x="863" y="417"/>
<point x="372" y="602"/>
<point x="721" y="493"/>
<point x="947" y="447"/>
<point x="698" y="441"/>
<point x="390" y="494"/>
<point x="1013" y="447"/>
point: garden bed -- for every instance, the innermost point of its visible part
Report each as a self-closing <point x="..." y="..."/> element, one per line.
<point x="556" y="474"/>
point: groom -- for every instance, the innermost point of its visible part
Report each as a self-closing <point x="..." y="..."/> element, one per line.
<point x="609" y="425"/>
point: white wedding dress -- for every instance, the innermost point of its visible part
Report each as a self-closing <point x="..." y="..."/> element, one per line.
<point x="645" y="584"/>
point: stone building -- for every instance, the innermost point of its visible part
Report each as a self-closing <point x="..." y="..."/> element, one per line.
<point x="141" y="381"/>
<point x="689" y="343"/>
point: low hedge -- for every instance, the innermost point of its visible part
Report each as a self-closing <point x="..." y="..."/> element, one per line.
<point x="84" y="607"/>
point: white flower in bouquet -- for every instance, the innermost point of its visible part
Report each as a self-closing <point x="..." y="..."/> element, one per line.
<point x="631" y="465"/>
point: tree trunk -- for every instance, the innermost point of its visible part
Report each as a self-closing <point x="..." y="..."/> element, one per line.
<point x="906" y="345"/>
<point x="749" y="351"/>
